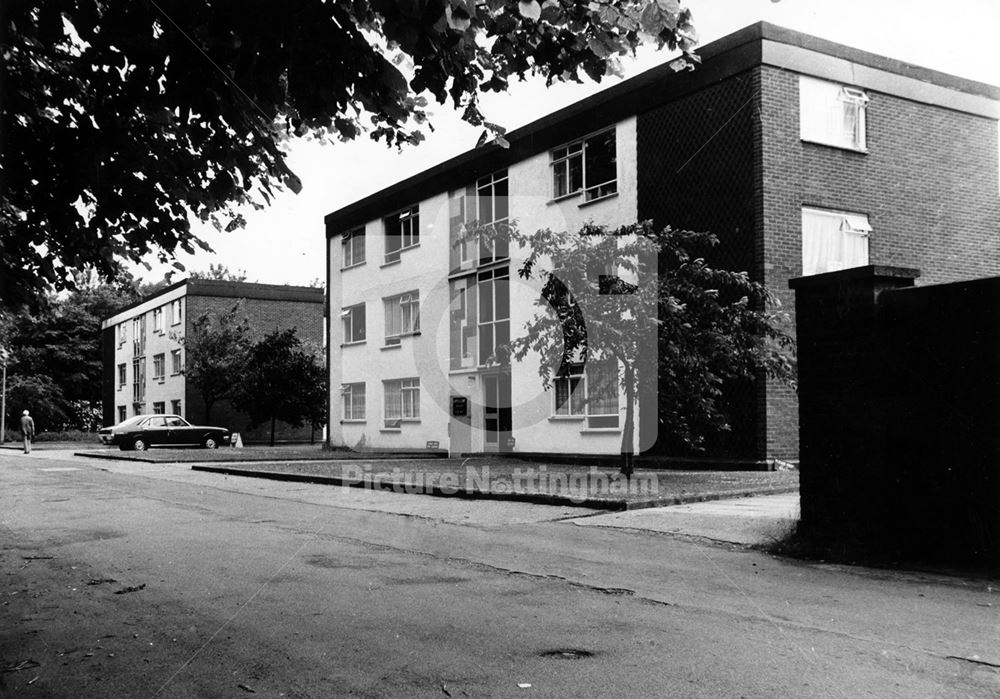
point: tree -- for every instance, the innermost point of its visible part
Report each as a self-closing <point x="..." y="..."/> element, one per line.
<point x="283" y="381"/>
<point x="123" y="122"/>
<point x="221" y="273"/>
<point x="640" y="296"/>
<point x="55" y="350"/>
<point x="217" y="350"/>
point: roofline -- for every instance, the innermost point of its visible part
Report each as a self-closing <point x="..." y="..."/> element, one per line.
<point x="230" y="289"/>
<point x="730" y="55"/>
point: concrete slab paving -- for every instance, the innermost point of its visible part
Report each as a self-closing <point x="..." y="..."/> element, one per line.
<point x="744" y="521"/>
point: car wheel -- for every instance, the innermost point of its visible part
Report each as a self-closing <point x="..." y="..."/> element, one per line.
<point x="210" y="443"/>
<point x="139" y="444"/>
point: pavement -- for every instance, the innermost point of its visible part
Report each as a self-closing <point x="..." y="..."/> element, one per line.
<point x="133" y="579"/>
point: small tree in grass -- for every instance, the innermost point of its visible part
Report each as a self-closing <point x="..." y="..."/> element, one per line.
<point x="217" y="350"/>
<point x="283" y="381"/>
<point x="642" y="298"/>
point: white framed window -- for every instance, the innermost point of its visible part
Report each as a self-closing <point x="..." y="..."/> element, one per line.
<point x="122" y="380"/>
<point x="353" y="318"/>
<point x="139" y="335"/>
<point x="159" y="408"/>
<point x="492" y="206"/>
<point x="590" y="393"/>
<point x="493" y="292"/>
<point x="402" y="231"/>
<point x="157" y="320"/>
<point x="159" y="367"/>
<point x="833" y="240"/>
<point x="569" y="392"/>
<point x="402" y="316"/>
<point x="353" y="247"/>
<point x="138" y="380"/>
<point x="402" y="401"/>
<point x="832" y="114"/>
<point x="176" y="311"/>
<point x="175" y="407"/>
<point x="176" y="362"/>
<point x="122" y="334"/>
<point x="353" y="395"/>
<point x="589" y="165"/>
<point x="122" y="413"/>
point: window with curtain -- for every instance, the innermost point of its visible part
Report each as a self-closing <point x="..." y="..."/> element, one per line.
<point x="354" y="323"/>
<point x="401" y="401"/>
<point x="354" y="401"/>
<point x="353" y="247"/>
<point x="402" y="316"/>
<point x="570" y="391"/>
<point x="602" y="393"/>
<point x="833" y="240"/>
<point x="831" y="113"/>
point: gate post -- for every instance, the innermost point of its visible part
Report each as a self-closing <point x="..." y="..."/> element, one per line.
<point x="842" y="458"/>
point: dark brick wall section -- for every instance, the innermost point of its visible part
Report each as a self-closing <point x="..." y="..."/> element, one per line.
<point x="695" y="171"/>
<point x="928" y="184"/>
<point x="265" y="316"/>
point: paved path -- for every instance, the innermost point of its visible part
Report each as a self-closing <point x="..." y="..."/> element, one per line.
<point x="748" y="521"/>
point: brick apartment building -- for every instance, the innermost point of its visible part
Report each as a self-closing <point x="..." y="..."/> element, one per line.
<point x="143" y="355"/>
<point x="802" y="155"/>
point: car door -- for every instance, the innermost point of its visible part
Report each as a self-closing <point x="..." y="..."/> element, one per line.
<point x="156" y="430"/>
<point x="180" y="431"/>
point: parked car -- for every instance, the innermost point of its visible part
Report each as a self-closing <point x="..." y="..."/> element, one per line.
<point x="144" y="431"/>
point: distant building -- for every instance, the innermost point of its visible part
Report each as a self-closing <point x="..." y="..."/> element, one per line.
<point x="802" y="155"/>
<point x="143" y="352"/>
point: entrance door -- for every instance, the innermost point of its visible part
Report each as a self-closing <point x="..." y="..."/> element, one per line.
<point x="460" y="430"/>
<point x="496" y="412"/>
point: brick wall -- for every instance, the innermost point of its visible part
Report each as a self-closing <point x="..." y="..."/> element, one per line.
<point x="928" y="184"/>
<point x="265" y="316"/>
<point x="696" y="167"/>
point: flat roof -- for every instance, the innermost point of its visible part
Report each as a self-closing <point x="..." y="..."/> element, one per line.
<point x="230" y="289"/>
<point x="722" y="58"/>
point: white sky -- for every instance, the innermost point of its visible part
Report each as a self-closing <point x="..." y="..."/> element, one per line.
<point x="285" y="244"/>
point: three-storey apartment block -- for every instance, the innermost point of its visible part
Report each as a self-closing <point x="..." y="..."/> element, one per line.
<point x="144" y="354"/>
<point x="802" y="156"/>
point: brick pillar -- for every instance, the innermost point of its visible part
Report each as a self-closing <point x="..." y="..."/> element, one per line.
<point x="842" y="464"/>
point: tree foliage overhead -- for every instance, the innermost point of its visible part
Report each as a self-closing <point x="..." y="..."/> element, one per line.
<point x="667" y="317"/>
<point x="121" y="122"/>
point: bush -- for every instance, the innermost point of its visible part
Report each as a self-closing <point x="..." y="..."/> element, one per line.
<point x="60" y="436"/>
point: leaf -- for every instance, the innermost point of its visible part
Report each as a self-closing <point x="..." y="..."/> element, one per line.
<point x="651" y="19"/>
<point x="530" y="10"/>
<point x="598" y="47"/>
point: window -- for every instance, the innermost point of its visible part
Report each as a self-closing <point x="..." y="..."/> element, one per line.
<point x="402" y="231"/>
<point x="175" y="407"/>
<point x="121" y="375"/>
<point x="570" y="390"/>
<point x="402" y="401"/>
<point x="492" y="207"/>
<point x="832" y="114"/>
<point x="176" y="312"/>
<point x="139" y="335"/>
<point x="121" y="413"/>
<point x="157" y="320"/>
<point x="589" y="165"/>
<point x="138" y="380"/>
<point x="354" y="400"/>
<point x="463" y="325"/>
<point x="159" y="408"/>
<point x="353" y="247"/>
<point x="494" y="313"/>
<point x="833" y="240"/>
<point x="122" y="334"/>
<point x="590" y="393"/>
<point x="402" y="316"/>
<point x="159" y="367"/>
<point x="354" y="323"/>
<point x="176" y="365"/>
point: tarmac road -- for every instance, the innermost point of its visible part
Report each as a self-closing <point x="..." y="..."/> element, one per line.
<point x="124" y="579"/>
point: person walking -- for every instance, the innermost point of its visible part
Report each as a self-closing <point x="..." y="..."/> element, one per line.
<point x="27" y="431"/>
